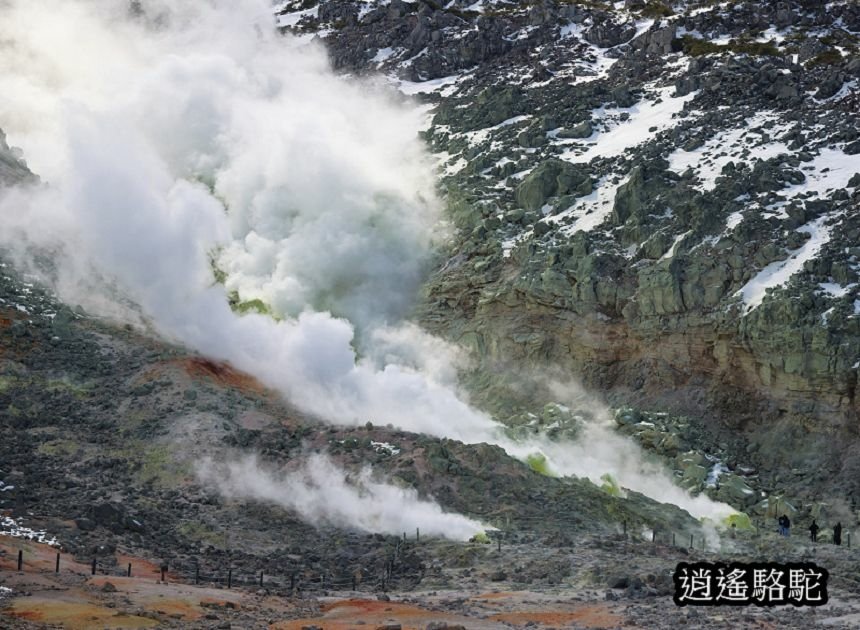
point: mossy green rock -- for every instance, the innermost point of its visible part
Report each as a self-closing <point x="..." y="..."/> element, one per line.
<point x="553" y="177"/>
<point x="734" y="491"/>
<point x="693" y="476"/>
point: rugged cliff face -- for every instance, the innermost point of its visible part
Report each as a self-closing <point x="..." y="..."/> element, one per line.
<point x="658" y="197"/>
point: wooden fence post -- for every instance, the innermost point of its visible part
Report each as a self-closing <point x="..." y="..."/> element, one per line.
<point x="20" y="559"/>
<point x="57" y="568"/>
<point x="129" y="569"/>
<point x="94" y="566"/>
<point x="229" y="578"/>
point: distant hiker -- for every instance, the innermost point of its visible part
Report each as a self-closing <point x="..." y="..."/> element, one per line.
<point x="784" y="524"/>
<point x="837" y="534"/>
<point x="813" y="531"/>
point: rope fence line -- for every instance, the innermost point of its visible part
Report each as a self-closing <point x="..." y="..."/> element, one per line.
<point x="360" y="579"/>
<point x="298" y="581"/>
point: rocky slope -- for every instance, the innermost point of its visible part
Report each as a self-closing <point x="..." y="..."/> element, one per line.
<point x="103" y="428"/>
<point x="658" y="197"/>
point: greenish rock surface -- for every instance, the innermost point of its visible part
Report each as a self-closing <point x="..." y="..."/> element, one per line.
<point x="552" y="178"/>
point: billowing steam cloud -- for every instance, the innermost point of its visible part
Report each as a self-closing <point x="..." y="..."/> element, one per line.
<point x="599" y="449"/>
<point x="321" y="492"/>
<point x="193" y="132"/>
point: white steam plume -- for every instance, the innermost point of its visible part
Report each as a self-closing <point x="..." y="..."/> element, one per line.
<point x="323" y="493"/>
<point x="196" y="129"/>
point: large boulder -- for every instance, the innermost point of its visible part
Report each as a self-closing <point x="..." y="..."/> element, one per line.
<point x="582" y="130"/>
<point x="552" y="178"/>
<point x="606" y="33"/>
<point x="114" y="517"/>
<point x="735" y="491"/>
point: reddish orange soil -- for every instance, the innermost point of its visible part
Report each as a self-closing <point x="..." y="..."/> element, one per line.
<point x="346" y="614"/>
<point x="37" y="557"/>
<point x="74" y="615"/>
<point x="9" y="315"/>
<point x="221" y="373"/>
<point x="42" y="558"/>
<point x="590" y="616"/>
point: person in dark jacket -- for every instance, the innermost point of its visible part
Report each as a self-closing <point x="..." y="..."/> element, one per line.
<point x="786" y="525"/>
<point x="813" y="531"/>
<point x="837" y="534"/>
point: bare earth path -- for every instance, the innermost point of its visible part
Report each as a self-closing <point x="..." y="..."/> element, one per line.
<point x="479" y="599"/>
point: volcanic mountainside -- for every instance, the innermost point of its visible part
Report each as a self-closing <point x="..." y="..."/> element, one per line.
<point x="658" y="199"/>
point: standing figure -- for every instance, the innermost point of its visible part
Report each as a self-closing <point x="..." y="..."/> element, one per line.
<point x="813" y="531"/>
<point x="781" y="522"/>
<point x="837" y="534"/>
<point x="787" y="524"/>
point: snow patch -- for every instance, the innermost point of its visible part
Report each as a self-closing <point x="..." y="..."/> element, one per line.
<point x="385" y="448"/>
<point x="671" y="251"/>
<point x="509" y="243"/>
<point x="592" y="210"/>
<point x="733" y="220"/>
<point x="741" y="144"/>
<point x="423" y="87"/>
<point x="645" y="120"/>
<point x="289" y="20"/>
<point x="13" y="527"/>
<point x="382" y="54"/>
<point x="836" y="290"/>
<point x="777" y="273"/>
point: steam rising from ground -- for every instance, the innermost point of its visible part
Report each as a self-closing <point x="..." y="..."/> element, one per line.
<point x="600" y="448"/>
<point x="321" y="492"/>
<point x="195" y="132"/>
